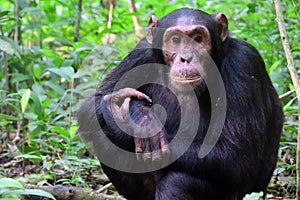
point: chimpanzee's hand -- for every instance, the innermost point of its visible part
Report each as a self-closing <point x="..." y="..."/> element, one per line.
<point x="150" y="141"/>
<point x="118" y="102"/>
<point x="149" y="134"/>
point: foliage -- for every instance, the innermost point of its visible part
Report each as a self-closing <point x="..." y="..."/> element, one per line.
<point x="45" y="74"/>
<point x="13" y="189"/>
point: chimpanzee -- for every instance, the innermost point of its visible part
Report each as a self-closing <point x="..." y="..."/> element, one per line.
<point x="190" y="113"/>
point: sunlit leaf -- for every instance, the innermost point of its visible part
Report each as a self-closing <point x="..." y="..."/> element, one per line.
<point x="73" y="130"/>
<point x="10" y="183"/>
<point x="24" y="100"/>
<point x="62" y="131"/>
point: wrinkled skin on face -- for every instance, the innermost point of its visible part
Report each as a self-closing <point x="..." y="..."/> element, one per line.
<point x="186" y="49"/>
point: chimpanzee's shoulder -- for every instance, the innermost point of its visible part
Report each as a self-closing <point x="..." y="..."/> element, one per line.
<point x="241" y="48"/>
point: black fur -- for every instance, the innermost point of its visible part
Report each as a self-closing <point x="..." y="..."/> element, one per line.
<point x="246" y="153"/>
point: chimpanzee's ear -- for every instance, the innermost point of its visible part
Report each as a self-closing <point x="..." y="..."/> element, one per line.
<point x="223" y="23"/>
<point x="152" y="22"/>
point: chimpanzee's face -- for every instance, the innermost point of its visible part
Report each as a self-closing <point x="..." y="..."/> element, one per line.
<point x="187" y="46"/>
<point x="185" y="49"/>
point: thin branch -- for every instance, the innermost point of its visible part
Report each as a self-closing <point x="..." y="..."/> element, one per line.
<point x="136" y="22"/>
<point x="79" y="10"/>
<point x="104" y="188"/>
<point x="287" y="94"/>
<point x="293" y="72"/>
<point x="17" y="35"/>
<point x="110" y="19"/>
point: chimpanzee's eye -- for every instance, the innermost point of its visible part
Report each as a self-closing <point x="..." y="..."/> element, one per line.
<point x="176" y="39"/>
<point x="198" y="38"/>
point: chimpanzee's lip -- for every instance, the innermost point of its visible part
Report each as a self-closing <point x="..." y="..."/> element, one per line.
<point x="192" y="79"/>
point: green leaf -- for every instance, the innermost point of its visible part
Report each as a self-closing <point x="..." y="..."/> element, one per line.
<point x="9" y="117"/>
<point x="9" y="46"/>
<point x="10" y="183"/>
<point x="24" y="100"/>
<point x="64" y="42"/>
<point x="62" y="22"/>
<point x="3" y="13"/>
<point x="86" y="85"/>
<point x="274" y="66"/>
<point x="30" y="10"/>
<point x="20" y="77"/>
<point x="38" y="192"/>
<point x="55" y="87"/>
<point x="37" y="104"/>
<point x="34" y="25"/>
<point x="62" y="131"/>
<point x="30" y="157"/>
<point x="73" y="130"/>
<point x="69" y="72"/>
<point x="64" y="72"/>
<point x="32" y="126"/>
<point x="288" y="105"/>
<point x="37" y="71"/>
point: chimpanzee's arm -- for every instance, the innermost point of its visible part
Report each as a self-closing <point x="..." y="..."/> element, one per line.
<point x="128" y="122"/>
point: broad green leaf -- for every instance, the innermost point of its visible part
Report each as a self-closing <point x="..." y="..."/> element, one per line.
<point x="69" y="71"/>
<point x="10" y="183"/>
<point x="64" y="72"/>
<point x="37" y="104"/>
<point x="8" y="46"/>
<point x="20" y="77"/>
<point x="37" y="71"/>
<point x="64" y="42"/>
<point x="24" y="100"/>
<point x="80" y="74"/>
<point x="38" y="192"/>
<point x="274" y="66"/>
<point x="55" y="87"/>
<point x="30" y="10"/>
<point x="62" y="131"/>
<point x="80" y="49"/>
<point x="86" y="85"/>
<point x="62" y="22"/>
<point x="73" y="130"/>
<point x="34" y="25"/>
<point x="9" y="117"/>
<point x="32" y="126"/>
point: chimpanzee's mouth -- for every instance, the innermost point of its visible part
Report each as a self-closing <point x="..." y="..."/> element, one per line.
<point x="191" y="79"/>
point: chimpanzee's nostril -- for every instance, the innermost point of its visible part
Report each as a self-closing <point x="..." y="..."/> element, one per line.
<point x="186" y="59"/>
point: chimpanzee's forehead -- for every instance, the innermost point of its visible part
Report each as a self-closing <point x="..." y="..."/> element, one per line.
<point x="186" y="17"/>
<point x="186" y="21"/>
